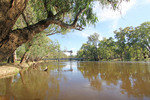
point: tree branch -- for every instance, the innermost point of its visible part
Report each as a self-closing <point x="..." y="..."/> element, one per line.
<point x="52" y="33"/>
<point x="24" y="17"/>
<point x="29" y="31"/>
<point x="45" y="6"/>
<point x="9" y="15"/>
<point x="62" y="12"/>
<point x="77" y="16"/>
<point x="73" y="25"/>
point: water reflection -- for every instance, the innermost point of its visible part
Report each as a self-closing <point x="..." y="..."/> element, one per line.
<point x="79" y="81"/>
<point x="133" y="79"/>
<point x="33" y="84"/>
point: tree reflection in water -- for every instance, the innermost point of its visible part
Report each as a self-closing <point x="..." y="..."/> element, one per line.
<point x="32" y="85"/>
<point x="109" y="80"/>
<point x="133" y="79"/>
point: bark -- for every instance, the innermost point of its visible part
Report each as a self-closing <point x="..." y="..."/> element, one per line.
<point x="148" y="49"/>
<point x="121" y="57"/>
<point x="9" y="13"/>
<point x="10" y="39"/>
<point x="12" y="58"/>
<point x="23" y="58"/>
<point x="27" y="59"/>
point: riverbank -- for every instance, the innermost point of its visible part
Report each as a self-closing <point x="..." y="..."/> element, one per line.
<point x="7" y="70"/>
<point x="10" y="69"/>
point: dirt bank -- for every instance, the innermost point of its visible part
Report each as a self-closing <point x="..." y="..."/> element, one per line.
<point x="7" y="70"/>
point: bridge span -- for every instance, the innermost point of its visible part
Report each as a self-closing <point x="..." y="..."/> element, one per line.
<point x="79" y="59"/>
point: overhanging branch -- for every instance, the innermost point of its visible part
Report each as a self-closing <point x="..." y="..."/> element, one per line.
<point x="43" y="24"/>
<point x="78" y="15"/>
<point x="52" y="33"/>
<point x="62" y="12"/>
<point x="25" y="19"/>
<point x="73" y="25"/>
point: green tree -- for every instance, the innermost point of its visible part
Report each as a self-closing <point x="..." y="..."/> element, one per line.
<point x="35" y="49"/>
<point x="67" y="14"/>
<point x="84" y="51"/>
<point x="106" y="49"/>
<point x="133" y="42"/>
<point x="89" y="49"/>
<point x="93" y="41"/>
<point x="121" y="42"/>
<point x="144" y="36"/>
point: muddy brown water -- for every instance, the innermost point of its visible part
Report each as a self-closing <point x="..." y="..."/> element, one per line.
<point x="79" y="81"/>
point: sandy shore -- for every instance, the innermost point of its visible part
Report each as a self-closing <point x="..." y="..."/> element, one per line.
<point x="7" y="70"/>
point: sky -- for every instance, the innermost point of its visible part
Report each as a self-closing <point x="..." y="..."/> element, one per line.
<point x="131" y="13"/>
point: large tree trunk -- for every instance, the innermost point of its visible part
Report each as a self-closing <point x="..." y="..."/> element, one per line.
<point x="9" y="13"/>
<point x="23" y="58"/>
<point x="10" y="39"/>
<point x="12" y="58"/>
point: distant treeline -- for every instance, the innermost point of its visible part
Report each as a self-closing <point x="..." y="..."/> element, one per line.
<point x="130" y="43"/>
<point x="38" y="48"/>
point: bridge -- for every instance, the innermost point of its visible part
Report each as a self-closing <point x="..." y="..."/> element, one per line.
<point x="79" y="59"/>
<point x="70" y="51"/>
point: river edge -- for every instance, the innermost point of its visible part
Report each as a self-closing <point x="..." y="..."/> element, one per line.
<point x="7" y="70"/>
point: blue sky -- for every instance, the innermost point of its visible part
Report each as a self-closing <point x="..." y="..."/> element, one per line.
<point x="133" y="13"/>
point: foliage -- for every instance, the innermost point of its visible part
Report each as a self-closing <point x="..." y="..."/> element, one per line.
<point x="41" y="46"/>
<point x="106" y="49"/>
<point x="89" y="49"/>
<point x="64" y="10"/>
<point x="23" y="19"/>
<point x="131" y="43"/>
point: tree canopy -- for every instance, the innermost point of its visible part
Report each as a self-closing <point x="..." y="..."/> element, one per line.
<point x="41" y="14"/>
<point x="130" y="43"/>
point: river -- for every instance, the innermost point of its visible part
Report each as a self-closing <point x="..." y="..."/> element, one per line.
<point x="74" y="80"/>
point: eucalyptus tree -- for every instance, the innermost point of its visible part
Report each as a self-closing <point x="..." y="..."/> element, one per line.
<point x="93" y="42"/>
<point x="93" y="39"/>
<point x="121" y="37"/>
<point x="133" y="42"/>
<point x="89" y="49"/>
<point x="40" y="47"/>
<point x="84" y="51"/>
<point x="67" y="14"/>
<point x="37" y="48"/>
<point x="143" y="32"/>
<point x="106" y="49"/>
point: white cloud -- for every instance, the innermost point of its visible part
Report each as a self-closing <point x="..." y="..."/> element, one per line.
<point x="140" y="3"/>
<point x="147" y="1"/>
<point x="106" y="14"/>
<point x="113" y="25"/>
<point x="87" y="32"/>
<point x="143" y="2"/>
